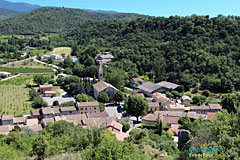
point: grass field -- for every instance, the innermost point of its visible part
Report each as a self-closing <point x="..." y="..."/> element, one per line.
<point x="20" y="80"/>
<point x="26" y="70"/>
<point x="60" y="50"/>
<point x="27" y="64"/>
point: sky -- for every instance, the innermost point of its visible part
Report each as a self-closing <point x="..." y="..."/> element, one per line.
<point x="164" y="8"/>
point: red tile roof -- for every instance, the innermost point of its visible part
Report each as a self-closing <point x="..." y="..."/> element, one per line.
<point x="215" y="106"/>
<point x="46" y="86"/>
<point x="211" y="115"/>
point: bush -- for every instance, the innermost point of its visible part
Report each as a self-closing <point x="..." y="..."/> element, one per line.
<point x="101" y="107"/>
<point x="70" y="103"/>
<point x="103" y="97"/>
<point x="199" y="100"/>
<point x="206" y="93"/>
<point x="126" y="126"/>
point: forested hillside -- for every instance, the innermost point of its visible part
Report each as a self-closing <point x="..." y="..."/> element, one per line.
<point x="186" y="50"/>
<point x="52" y="19"/>
<point x="6" y="14"/>
<point x="19" y="6"/>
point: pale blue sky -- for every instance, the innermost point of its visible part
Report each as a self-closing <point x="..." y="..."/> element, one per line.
<point x="150" y="7"/>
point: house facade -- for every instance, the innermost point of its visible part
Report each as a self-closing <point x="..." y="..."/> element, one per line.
<point x="101" y="87"/>
<point x="88" y="107"/>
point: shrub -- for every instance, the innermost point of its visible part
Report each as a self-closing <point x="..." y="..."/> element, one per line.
<point x="126" y="126"/>
<point x="103" y="97"/>
<point x="206" y="93"/>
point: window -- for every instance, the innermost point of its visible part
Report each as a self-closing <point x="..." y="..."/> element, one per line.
<point x="94" y="108"/>
<point x="81" y="112"/>
<point x="85" y="108"/>
<point x="81" y="109"/>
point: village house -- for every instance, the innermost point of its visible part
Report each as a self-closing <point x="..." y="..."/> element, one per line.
<point x="35" y="127"/>
<point x="165" y="86"/>
<point x="74" y="59"/>
<point x="69" y="110"/>
<point x="7" y="120"/>
<point x="56" y="111"/>
<point x="176" y="107"/>
<point x="153" y="106"/>
<point x="104" y="58"/>
<point x="135" y="82"/>
<point x="97" y="121"/>
<point x="150" y="119"/>
<point x="88" y="107"/>
<point x="50" y="94"/>
<point x="215" y="107"/>
<point x="149" y="88"/>
<point x="194" y="115"/>
<point x="44" y="88"/>
<point x="203" y="109"/>
<point x="47" y="112"/>
<point x="35" y="114"/>
<point x="20" y="121"/>
<point x="170" y="120"/>
<point x="211" y="115"/>
<point x="116" y="129"/>
<point x="185" y="100"/>
<point x="45" y="122"/>
<point x="56" y="57"/>
<point x="5" y="129"/>
<point x="101" y="87"/>
<point x="28" y="48"/>
<point x="30" y="122"/>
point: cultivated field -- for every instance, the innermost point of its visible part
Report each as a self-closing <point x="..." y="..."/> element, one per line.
<point x="27" y="64"/>
<point x="14" y="96"/>
<point x="14" y="100"/>
<point x="62" y="50"/>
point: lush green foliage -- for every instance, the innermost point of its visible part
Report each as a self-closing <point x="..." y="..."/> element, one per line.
<point x="136" y="106"/>
<point x="26" y="70"/>
<point x="126" y="126"/>
<point x="118" y="96"/>
<point x="53" y="19"/>
<point x="199" y="100"/>
<point x="6" y="14"/>
<point x="184" y="50"/>
<point x="103" y="97"/>
<point x="221" y="133"/>
<point x="84" y="98"/>
<point x="64" y="137"/>
<point x="231" y="102"/>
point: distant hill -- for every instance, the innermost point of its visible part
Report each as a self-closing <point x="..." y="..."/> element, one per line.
<point x="101" y="11"/>
<point x="6" y="14"/>
<point x="19" y="7"/>
<point x="54" y="19"/>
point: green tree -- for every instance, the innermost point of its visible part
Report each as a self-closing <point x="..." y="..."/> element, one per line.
<point x="206" y="93"/>
<point x="40" y="147"/>
<point x="199" y="100"/>
<point x="33" y="94"/>
<point x="38" y="102"/>
<point x="136" y="106"/>
<point x="82" y="98"/>
<point x="103" y="97"/>
<point x="231" y="102"/>
<point x="40" y="79"/>
<point x="159" y="125"/>
<point x="126" y="126"/>
<point x="118" y="96"/>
